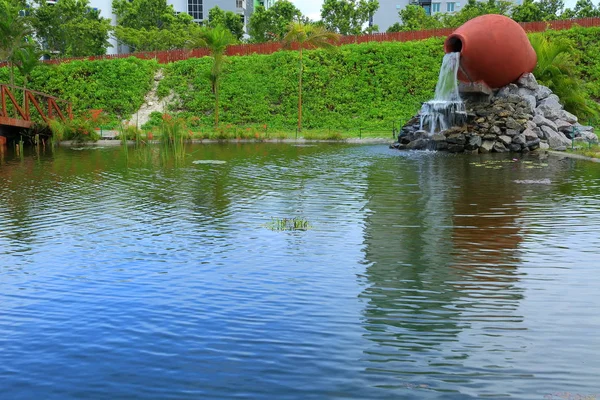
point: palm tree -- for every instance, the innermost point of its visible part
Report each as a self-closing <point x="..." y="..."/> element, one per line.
<point x="216" y="41"/>
<point x="556" y="69"/>
<point x="307" y="36"/>
<point x="13" y="33"/>
<point x="26" y="59"/>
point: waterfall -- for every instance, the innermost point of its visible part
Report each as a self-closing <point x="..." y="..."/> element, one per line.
<point x="446" y="109"/>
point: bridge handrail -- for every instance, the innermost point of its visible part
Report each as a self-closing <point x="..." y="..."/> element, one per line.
<point x="35" y="92"/>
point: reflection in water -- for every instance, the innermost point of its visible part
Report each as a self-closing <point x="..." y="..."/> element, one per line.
<point x="443" y="279"/>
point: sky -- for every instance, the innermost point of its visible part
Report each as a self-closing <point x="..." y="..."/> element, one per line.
<point x="312" y="8"/>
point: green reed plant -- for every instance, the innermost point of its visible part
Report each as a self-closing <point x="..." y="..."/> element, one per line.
<point x="288" y="224"/>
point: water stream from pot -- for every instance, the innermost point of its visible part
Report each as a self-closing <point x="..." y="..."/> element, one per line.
<point x="447" y="108"/>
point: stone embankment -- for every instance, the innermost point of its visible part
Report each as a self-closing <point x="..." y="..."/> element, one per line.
<point x="519" y="117"/>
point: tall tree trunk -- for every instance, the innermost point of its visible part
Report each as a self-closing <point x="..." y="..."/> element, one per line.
<point x="217" y="103"/>
<point x="300" y="93"/>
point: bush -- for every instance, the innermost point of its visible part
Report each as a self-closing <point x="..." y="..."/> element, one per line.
<point x="77" y="130"/>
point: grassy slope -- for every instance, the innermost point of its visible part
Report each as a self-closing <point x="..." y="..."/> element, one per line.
<point x="368" y="86"/>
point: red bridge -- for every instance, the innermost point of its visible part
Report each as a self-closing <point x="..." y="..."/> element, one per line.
<point x="17" y="113"/>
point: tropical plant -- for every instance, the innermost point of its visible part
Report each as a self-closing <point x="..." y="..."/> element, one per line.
<point x="216" y="41"/>
<point x="307" y="36"/>
<point x="26" y="59"/>
<point x="13" y="32"/>
<point x="556" y="69"/>
<point x="230" y="20"/>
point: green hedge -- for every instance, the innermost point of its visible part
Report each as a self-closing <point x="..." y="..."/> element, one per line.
<point x="368" y="85"/>
<point x="117" y="86"/>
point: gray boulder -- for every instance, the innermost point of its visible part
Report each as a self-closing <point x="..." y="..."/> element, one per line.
<point x="521" y="139"/>
<point x="557" y="141"/>
<point x="529" y="134"/>
<point x="506" y="140"/>
<point x="528" y="81"/>
<point x="514" y="147"/>
<point x="550" y="111"/>
<point x="486" y="146"/>
<point x="563" y="126"/>
<point x="499" y="147"/>
<point x="531" y="103"/>
<point x="457" y="138"/>
<point x="541" y="121"/>
<point x="419" y="144"/>
<point x="542" y="92"/>
<point x="567" y="116"/>
<point x="552" y="101"/>
<point x="473" y="143"/>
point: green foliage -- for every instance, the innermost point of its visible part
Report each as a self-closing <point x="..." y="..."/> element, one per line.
<point x="543" y="10"/>
<point x="307" y="36"/>
<point x="288" y="224"/>
<point x="216" y="40"/>
<point x="152" y="25"/>
<point x="371" y="85"/>
<point x="14" y="32"/>
<point x="144" y="14"/>
<point x="230" y="20"/>
<point x="77" y="130"/>
<point x="586" y="9"/>
<point x="116" y="86"/>
<point x="348" y="17"/>
<point x="154" y="120"/>
<point x="414" y="18"/>
<point x="70" y="28"/>
<point x="568" y="60"/>
<point x="272" y="24"/>
<point x="166" y="33"/>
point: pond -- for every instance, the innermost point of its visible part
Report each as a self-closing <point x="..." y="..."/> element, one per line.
<point x="421" y="275"/>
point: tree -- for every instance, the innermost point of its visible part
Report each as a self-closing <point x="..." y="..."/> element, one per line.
<point x="230" y="20"/>
<point x="26" y="59"/>
<point x="307" y="36"/>
<point x="13" y="32"/>
<point x="146" y="14"/>
<point x="414" y="18"/>
<point x="475" y="9"/>
<point x="216" y="41"/>
<point x="70" y="28"/>
<point x="272" y="24"/>
<point x="174" y="36"/>
<point x="543" y="10"/>
<point x="347" y="17"/>
<point x="151" y="25"/>
<point x="586" y="9"/>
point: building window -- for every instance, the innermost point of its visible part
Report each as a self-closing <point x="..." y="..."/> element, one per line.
<point x="435" y="7"/>
<point x="195" y="9"/>
<point x="427" y="10"/>
<point x="239" y="3"/>
<point x="450" y="7"/>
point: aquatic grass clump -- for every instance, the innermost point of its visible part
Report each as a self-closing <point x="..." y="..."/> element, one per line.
<point x="288" y="224"/>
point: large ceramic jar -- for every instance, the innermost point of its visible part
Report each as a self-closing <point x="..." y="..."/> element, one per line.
<point x="493" y="49"/>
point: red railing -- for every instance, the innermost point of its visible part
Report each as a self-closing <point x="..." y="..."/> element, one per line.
<point x="21" y="115"/>
<point x="168" y="56"/>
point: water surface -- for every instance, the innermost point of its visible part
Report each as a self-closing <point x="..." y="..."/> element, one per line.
<point x="424" y="275"/>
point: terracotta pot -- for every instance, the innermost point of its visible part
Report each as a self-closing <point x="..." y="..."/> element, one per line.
<point x="493" y="49"/>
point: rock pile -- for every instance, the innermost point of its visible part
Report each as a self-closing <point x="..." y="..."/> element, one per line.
<point x="519" y="117"/>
